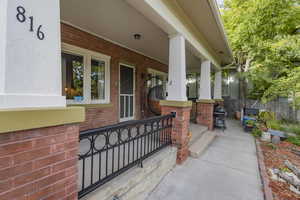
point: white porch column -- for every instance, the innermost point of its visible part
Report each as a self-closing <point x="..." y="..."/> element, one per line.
<point x="218" y="85"/>
<point x="205" y="83"/>
<point x="30" y="54"/>
<point x="177" y="69"/>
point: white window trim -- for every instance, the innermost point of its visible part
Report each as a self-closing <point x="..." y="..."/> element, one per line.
<point x="88" y="55"/>
<point x="160" y="73"/>
<point x="154" y="71"/>
<point x="157" y="72"/>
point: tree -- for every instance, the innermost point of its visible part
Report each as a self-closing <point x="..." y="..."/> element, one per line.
<point x="265" y="44"/>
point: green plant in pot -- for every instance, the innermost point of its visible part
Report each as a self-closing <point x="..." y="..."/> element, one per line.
<point x="250" y="123"/>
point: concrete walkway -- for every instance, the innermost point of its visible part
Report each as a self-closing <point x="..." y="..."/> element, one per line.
<point x="227" y="170"/>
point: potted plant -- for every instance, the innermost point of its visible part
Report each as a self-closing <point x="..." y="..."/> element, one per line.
<point x="249" y="125"/>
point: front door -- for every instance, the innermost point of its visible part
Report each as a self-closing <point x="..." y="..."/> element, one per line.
<point x="127" y="87"/>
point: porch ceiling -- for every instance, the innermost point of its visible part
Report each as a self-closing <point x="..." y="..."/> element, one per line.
<point x="117" y="21"/>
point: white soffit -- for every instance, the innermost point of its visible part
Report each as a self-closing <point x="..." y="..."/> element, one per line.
<point x="117" y="21"/>
<point x="205" y="16"/>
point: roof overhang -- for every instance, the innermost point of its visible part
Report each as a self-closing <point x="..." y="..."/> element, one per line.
<point x="198" y="21"/>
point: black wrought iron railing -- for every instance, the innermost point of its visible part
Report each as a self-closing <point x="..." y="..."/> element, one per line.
<point x="109" y="151"/>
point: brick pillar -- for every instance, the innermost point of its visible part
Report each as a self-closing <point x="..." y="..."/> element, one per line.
<point x="39" y="163"/>
<point x="181" y="124"/>
<point x="39" y="153"/>
<point x="205" y="111"/>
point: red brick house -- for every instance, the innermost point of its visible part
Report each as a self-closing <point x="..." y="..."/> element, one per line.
<point x="73" y="66"/>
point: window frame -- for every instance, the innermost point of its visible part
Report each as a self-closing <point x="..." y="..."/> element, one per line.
<point x="160" y="73"/>
<point x="88" y="55"/>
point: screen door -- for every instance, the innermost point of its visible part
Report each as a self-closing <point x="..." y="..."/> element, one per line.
<point x="126" y="93"/>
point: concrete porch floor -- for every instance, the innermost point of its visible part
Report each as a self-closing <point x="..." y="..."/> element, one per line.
<point x="227" y="170"/>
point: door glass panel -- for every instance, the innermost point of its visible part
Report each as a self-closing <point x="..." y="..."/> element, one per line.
<point x="122" y="103"/>
<point x="131" y="106"/>
<point x="127" y="106"/>
<point x="126" y="80"/>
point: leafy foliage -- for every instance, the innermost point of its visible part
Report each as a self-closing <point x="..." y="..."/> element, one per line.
<point x="256" y="132"/>
<point x="294" y="140"/>
<point x="266" y="45"/>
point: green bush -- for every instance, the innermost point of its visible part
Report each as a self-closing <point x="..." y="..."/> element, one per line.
<point x="294" y="140"/>
<point x="274" y="124"/>
<point x="265" y="116"/>
<point x="256" y="132"/>
<point x="291" y="128"/>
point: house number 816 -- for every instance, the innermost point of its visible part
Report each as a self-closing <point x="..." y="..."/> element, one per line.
<point x="21" y="17"/>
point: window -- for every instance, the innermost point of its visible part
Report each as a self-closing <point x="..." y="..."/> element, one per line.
<point x="158" y="79"/>
<point x="72" y="76"/>
<point x="85" y="76"/>
<point x="192" y="85"/>
<point x="97" y="80"/>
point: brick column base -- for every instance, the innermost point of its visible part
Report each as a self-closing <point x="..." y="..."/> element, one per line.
<point x="39" y="163"/>
<point x="180" y="130"/>
<point x="205" y="114"/>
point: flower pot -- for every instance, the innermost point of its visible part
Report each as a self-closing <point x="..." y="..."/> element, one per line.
<point x="238" y="115"/>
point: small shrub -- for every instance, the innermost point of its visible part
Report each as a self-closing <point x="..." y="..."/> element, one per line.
<point x="274" y="124"/>
<point x="272" y="146"/>
<point x="256" y="132"/>
<point x="294" y="140"/>
<point x="285" y="169"/>
<point x="291" y="128"/>
<point x="265" y="116"/>
<point x="294" y="129"/>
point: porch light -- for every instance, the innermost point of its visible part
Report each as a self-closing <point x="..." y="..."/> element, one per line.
<point x="137" y="36"/>
<point x="230" y="80"/>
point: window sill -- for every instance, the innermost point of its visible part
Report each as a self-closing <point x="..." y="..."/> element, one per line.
<point x="104" y="105"/>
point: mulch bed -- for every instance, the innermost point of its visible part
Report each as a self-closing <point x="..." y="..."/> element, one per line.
<point x="274" y="158"/>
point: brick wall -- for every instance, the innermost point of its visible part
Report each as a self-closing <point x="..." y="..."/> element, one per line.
<point x="205" y="114"/>
<point x="98" y="117"/>
<point x="40" y="163"/>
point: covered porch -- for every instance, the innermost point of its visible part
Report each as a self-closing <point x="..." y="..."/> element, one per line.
<point x="146" y="44"/>
<point x="140" y="42"/>
<point x="98" y="57"/>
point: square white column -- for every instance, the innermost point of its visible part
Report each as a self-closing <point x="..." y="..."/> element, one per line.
<point x="205" y="82"/>
<point x="30" y="54"/>
<point x="218" y="85"/>
<point x="177" y="69"/>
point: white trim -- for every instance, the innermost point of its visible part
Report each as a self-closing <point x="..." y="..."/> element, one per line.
<point x="165" y="79"/>
<point x="114" y="42"/>
<point x="134" y="93"/>
<point x="88" y="55"/>
<point x="154" y="71"/>
<point x="217" y="15"/>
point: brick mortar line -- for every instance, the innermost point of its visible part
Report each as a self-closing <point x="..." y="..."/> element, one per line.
<point x="268" y="194"/>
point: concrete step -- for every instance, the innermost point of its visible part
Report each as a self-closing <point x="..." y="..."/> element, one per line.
<point x="200" y="145"/>
<point x="197" y="131"/>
